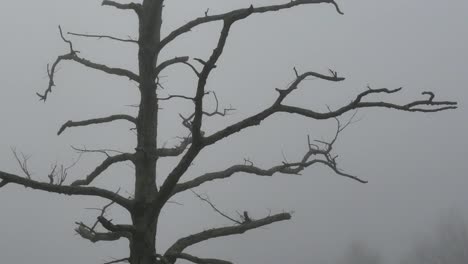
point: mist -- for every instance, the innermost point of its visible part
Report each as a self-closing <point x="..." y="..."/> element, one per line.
<point x="415" y="163"/>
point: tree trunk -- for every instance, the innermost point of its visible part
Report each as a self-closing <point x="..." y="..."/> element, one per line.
<point x="143" y="242"/>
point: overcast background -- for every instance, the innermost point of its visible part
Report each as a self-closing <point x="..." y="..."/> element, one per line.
<point x="416" y="163"/>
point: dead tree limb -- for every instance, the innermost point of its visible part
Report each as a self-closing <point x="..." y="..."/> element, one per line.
<point x="239" y="12"/>
<point x="180" y="245"/>
<point x="96" y="121"/>
<point x="198" y="260"/>
<point x="68" y="190"/>
<point x="102" y="167"/>
<point x="72" y="55"/>
<point x="97" y="36"/>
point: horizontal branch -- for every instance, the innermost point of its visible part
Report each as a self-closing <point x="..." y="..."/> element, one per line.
<point x="115" y="228"/>
<point x="181" y="244"/>
<point x="175" y="151"/>
<point x="95" y="121"/>
<point x="93" y="236"/>
<point x="416" y="106"/>
<point x="170" y="62"/>
<point x="313" y="156"/>
<point x="131" y="6"/>
<point x="68" y="190"/>
<point x="102" y="167"/>
<point x="198" y="260"/>
<point x="207" y="19"/>
<point x="104" y="68"/>
<point x="102" y="37"/>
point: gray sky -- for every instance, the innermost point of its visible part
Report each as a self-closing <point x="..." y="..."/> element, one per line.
<point x="416" y="163"/>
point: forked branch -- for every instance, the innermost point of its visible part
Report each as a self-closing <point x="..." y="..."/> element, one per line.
<point x="197" y="134"/>
<point x="235" y="13"/>
<point x="428" y="105"/>
<point x="314" y="155"/>
<point x="116" y="232"/>
<point x="72" y="55"/>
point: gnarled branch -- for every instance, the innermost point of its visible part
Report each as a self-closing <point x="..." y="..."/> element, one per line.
<point x="95" y="121"/>
<point x="277" y="107"/>
<point x="314" y="155"/>
<point x="235" y="13"/>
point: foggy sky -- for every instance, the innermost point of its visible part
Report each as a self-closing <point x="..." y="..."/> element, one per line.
<point x="416" y="163"/>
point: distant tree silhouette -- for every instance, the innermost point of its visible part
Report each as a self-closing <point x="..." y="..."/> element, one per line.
<point x="448" y="244"/>
<point x="359" y="252"/>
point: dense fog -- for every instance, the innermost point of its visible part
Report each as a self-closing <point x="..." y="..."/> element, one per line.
<point x="413" y="210"/>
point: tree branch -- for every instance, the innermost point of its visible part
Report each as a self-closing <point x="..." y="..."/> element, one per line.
<point x="207" y="200"/>
<point x="182" y="166"/>
<point x="416" y="106"/>
<point x="102" y="167"/>
<point x="314" y="155"/>
<point x="68" y="190"/>
<point x="88" y="234"/>
<point x="118" y="261"/>
<point x="175" y="151"/>
<point x="115" y="228"/>
<point x="132" y="6"/>
<point x="198" y="260"/>
<point x="181" y="244"/>
<point x="170" y="62"/>
<point x="72" y="56"/>
<point x="207" y="19"/>
<point x="95" y="121"/>
<point x="102" y="36"/>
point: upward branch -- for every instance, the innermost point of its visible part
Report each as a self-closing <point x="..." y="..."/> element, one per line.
<point x="72" y="55"/>
<point x="179" y="170"/>
<point x="207" y="19"/>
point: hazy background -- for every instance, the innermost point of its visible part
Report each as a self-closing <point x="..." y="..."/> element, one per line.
<point x="416" y="163"/>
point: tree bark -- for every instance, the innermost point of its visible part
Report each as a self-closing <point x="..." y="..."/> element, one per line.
<point x="143" y="242"/>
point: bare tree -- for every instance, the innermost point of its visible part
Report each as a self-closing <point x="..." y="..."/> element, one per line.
<point x="448" y="244"/>
<point x="148" y="199"/>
